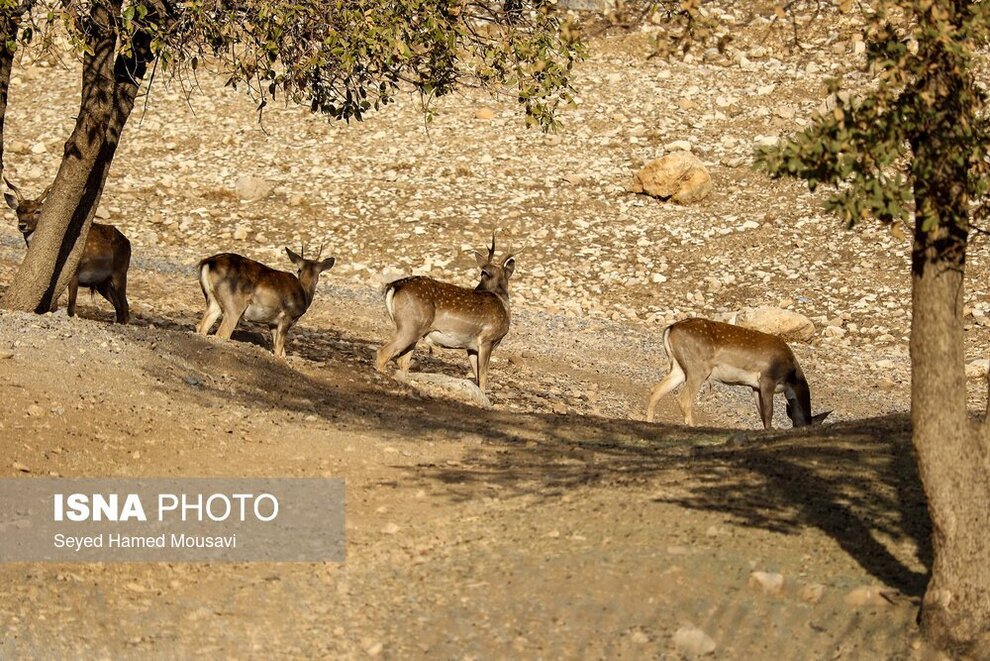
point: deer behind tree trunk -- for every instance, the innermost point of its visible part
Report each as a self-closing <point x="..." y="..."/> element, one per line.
<point x="105" y="260"/>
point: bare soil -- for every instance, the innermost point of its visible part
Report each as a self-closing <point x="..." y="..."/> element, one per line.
<point x="555" y="524"/>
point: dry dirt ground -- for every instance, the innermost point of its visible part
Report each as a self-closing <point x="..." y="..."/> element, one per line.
<point x="557" y="523"/>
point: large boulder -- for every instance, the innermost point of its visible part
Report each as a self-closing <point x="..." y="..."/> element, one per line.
<point x="679" y="177"/>
<point x="776" y="321"/>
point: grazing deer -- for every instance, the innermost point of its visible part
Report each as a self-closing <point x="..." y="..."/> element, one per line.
<point x="450" y="316"/>
<point x="235" y="287"/>
<point x="700" y="349"/>
<point x="105" y="259"/>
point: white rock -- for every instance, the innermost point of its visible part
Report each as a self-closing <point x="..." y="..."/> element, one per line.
<point x="768" y="582"/>
<point x="679" y="176"/>
<point x="693" y="642"/>
<point x="834" y="331"/>
<point x="251" y="188"/>
<point x="786" y="324"/>
<point x="977" y="369"/>
<point x="678" y="145"/>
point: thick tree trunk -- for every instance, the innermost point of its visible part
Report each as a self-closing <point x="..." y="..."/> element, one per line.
<point x="953" y="457"/>
<point x="109" y="88"/>
<point x="57" y="244"/>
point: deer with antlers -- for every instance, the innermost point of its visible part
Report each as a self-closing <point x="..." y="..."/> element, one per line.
<point x="450" y="316"/>
<point x="236" y="287"/>
<point x="700" y="349"/>
<point x="105" y="259"/>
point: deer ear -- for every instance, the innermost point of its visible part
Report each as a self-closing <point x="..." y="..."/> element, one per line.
<point x="509" y="265"/>
<point x="327" y="264"/>
<point x="296" y="259"/>
<point x="817" y="419"/>
<point x="11" y="200"/>
<point x="482" y="259"/>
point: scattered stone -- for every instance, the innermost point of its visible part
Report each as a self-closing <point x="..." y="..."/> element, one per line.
<point x="834" y="331"/>
<point x="786" y="324"/>
<point x="770" y="582"/>
<point x="461" y="389"/>
<point x="812" y="593"/>
<point x="978" y="369"/>
<point x="866" y="595"/>
<point x="6" y="355"/>
<point x="390" y="528"/>
<point x="678" y="145"/>
<point x="18" y="466"/>
<point x="251" y="188"/>
<point x="38" y="148"/>
<point x="679" y="177"/>
<point x="35" y="411"/>
<point x="484" y="114"/>
<point x="693" y="642"/>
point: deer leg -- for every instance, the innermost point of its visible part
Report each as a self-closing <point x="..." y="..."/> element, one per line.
<point x="484" y="355"/>
<point x="685" y="398"/>
<point x="765" y="399"/>
<point x="118" y="287"/>
<point x="105" y="289"/>
<point x="213" y="312"/>
<point x="229" y="322"/>
<point x="73" y="293"/>
<point x="673" y="379"/>
<point x="279" y="334"/>
<point x="473" y="358"/>
<point x="402" y="344"/>
<point x="405" y="359"/>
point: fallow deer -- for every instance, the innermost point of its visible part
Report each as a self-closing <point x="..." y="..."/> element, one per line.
<point x="450" y="316"/>
<point x="105" y="260"/>
<point x="700" y="349"/>
<point x="235" y="287"/>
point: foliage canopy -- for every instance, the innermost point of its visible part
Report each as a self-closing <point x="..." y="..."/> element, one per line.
<point x="342" y="58"/>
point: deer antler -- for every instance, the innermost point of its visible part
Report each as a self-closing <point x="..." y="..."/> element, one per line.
<point x="491" y="251"/>
<point x="322" y="245"/>
<point x="12" y="187"/>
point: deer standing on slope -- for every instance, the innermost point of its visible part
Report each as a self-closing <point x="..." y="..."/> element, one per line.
<point x="106" y="255"/>
<point x="450" y="316"/>
<point x="235" y="287"/>
<point x="700" y="349"/>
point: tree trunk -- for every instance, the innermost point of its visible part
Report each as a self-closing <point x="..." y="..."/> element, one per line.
<point x="952" y="451"/>
<point x="109" y="88"/>
<point x="10" y="20"/>
<point x="57" y="244"/>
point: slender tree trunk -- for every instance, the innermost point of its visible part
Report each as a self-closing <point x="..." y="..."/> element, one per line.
<point x="9" y="23"/>
<point x="953" y="457"/>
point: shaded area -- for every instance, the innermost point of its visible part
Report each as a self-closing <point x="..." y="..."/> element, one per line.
<point x="856" y="481"/>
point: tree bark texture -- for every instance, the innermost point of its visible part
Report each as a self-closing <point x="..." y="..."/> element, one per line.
<point x="110" y="85"/>
<point x="953" y="457"/>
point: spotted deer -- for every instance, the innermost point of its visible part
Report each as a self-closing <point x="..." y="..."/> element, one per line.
<point x="700" y="350"/>
<point x="450" y="316"/>
<point x="105" y="260"/>
<point x="236" y="287"/>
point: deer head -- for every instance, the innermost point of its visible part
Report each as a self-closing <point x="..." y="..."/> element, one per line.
<point x="28" y="211"/>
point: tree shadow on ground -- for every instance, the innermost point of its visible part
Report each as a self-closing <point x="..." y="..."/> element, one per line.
<point x="854" y="481"/>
